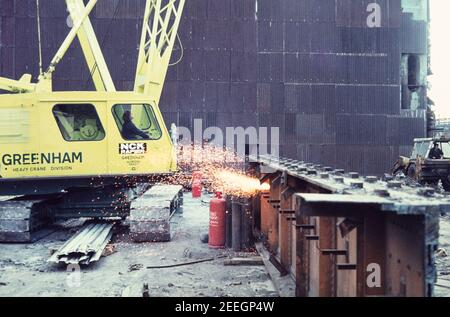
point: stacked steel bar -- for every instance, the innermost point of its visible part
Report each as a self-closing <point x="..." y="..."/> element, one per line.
<point x="150" y="214"/>
<point x="86" y="246"/>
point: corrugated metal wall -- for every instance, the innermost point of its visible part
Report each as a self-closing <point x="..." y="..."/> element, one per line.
<point x="311" y="67"/>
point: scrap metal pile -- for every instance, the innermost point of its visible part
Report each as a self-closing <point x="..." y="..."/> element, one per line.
<point x="86" y="246"/>
<point x="149" y="221"/>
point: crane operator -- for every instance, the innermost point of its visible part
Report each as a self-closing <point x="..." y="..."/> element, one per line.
<point x="129" y="130"/>
<point x="436" y="153"/>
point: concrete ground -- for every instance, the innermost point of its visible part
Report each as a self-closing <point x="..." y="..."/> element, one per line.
<point x="442" y="287"/>
<point x="24" y="270"/>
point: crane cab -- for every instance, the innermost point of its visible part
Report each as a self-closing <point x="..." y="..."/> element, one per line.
<point x="62" y="139"/>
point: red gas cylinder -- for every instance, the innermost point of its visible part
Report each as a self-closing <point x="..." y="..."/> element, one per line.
<point x="196" y="190"/>
<point x="197" y="184"/>
<point x="197" y="176"/>
<point x="217" y="222"/>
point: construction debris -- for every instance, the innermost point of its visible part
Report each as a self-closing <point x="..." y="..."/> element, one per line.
<point x="244" y="261"/>
<point x="109" y="250"/>
<point x="135" y="267"/>
<point x="441" y="252"/>
<point x="284" y="285"/>
<point x="185" y="263"/>
<point x="86" y="246"/>
<point x="150" y="214"/>
<point x="110" y="277"/>
<point x="204" y="238"/>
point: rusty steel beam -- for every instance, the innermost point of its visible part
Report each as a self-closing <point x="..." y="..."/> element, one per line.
<point x="345" y="223"/>
<point x="265" y="210"/>
<point x="285" y="232"/>
<point x="273" y="234"/>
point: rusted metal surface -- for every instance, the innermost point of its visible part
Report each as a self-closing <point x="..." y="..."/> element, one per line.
<point x="346" y="265"/>
<point x="343" y="231"/>
<point x="285" y="234"/>
<point x="274" y="201"/>
<point x="265" y="211"/>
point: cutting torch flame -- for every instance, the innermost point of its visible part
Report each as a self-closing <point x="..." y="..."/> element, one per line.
<point x="236" y="184"/>
<point x="222" y="171"/>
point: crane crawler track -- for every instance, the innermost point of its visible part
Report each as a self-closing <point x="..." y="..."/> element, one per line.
<point x="20" y="219"/>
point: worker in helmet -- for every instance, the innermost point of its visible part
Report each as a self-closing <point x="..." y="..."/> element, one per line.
<point x="436" y="153"/>
<point x="129" y="130"/>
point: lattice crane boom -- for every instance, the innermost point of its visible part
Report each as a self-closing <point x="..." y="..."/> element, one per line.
<point x="95" y="60"/>
<point x="159" y="32"/>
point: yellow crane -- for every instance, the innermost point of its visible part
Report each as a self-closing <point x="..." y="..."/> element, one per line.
<point x="84" y="149"/>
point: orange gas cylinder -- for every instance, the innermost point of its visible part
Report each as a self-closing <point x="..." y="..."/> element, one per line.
<point x="217" y="222"/>
<point x="197" y="184"/>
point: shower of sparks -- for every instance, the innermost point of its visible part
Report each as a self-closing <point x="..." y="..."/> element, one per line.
<point x="235" y="184"/>
<point x="222" y="171"/>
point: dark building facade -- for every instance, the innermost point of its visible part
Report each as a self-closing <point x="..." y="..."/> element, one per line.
<point x="344" y="80"/>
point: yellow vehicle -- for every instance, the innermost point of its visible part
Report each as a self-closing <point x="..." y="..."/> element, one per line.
<point x="49" y="138"/>
<point x="61" y="144"/>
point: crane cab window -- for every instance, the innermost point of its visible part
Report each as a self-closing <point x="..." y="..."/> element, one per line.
<point x="78" y="122"/>
<point x="137" y="122"/>
<point x="421" y="149"/>
<point x="445" y="147"/>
